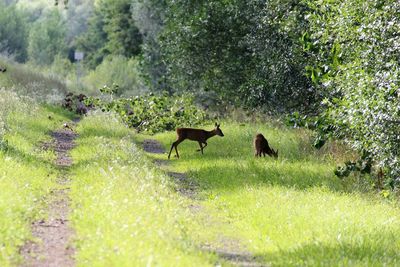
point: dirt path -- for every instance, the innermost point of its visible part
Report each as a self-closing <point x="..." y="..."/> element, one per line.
<point x="230" y="249"/>
<point x="54" y="234"/>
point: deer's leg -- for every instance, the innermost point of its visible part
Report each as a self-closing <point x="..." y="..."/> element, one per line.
<point x="172" y="146"/>
<point x="175" y="144"/>
<point x="205" y="144"/>
<point x="201" y="147"/>
<point x="176" y="147"/>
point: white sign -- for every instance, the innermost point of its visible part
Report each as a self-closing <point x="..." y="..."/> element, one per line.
<point x="78" y="55"/>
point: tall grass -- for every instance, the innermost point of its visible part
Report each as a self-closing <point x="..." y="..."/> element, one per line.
<point x="292" y="211"/>
<point x="28" y="81"/>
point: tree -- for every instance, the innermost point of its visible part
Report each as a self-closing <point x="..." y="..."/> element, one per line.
<point x="354" y="45"/>
<point x="149" y="17"/>
<point x="111" y="30"/>
<point x="13" y="32"/>
<point x="248" y="52"/>
<point x="47" y="38"/>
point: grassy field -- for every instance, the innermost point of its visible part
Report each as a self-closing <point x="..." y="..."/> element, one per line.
<point x="292" y="211"/>
<point x="27" y="174"/>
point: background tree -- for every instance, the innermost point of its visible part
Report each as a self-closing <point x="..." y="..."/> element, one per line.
<point x="47" y="38"/>
<point x="111" y="30"/>
<point x="13" y="32"/>
<point x="149" y="17"/>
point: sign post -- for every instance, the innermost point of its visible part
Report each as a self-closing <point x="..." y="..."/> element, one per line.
<point x="78" y="56"/>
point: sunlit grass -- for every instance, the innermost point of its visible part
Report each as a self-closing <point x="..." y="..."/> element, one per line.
<point x="125" y="212"/>
<point x="27" y="175"/>
<point x="292" y="211"/>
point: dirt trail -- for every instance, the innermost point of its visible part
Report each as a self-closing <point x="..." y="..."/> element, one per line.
<point x="54" y="234"/>
<point x="230" y="249"/>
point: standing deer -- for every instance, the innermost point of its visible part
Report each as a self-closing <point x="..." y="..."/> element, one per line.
<point x="261" y="146"/>
<point x="198" y="135"/>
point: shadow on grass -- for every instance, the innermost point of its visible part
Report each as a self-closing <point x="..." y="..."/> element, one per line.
<point x="29" y="158"/>
<point x="369" y="251"/>
<point x="233" y="174"/>
<point x="60" y="111"/>
<point x="97" y="131"/>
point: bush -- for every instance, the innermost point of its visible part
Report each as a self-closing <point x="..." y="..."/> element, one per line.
<point x="152" y="114"/>
<point x="119" y="70"/>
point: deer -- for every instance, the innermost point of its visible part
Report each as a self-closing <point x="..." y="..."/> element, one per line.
<point x="261" y="147"/>
<point x="199" y="135"/>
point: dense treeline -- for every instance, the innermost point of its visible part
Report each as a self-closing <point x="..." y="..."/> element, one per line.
<point x="334" y="63"/>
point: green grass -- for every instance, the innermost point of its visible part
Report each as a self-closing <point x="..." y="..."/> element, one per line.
<point x="27" y="175"/>
<point x="292" y="211"/>
<point x="125" y="211"/>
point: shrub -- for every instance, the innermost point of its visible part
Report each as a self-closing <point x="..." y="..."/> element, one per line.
<point x="119" y="70"/>
<point x="152" y="113"/>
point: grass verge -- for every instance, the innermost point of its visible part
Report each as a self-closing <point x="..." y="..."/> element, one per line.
<point x="27" y="175"/>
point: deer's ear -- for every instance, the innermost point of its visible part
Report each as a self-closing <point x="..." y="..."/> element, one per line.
<point x="216" y="124"/>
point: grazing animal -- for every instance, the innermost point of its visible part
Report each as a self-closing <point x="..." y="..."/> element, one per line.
<point x="261" y="147"/>
<point x="198" y="135"/>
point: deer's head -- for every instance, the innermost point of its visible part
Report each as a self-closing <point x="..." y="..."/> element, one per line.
<point x="218" y="130"/>
<point x="275" y="153"/>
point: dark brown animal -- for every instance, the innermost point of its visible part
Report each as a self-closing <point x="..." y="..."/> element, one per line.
<point x="198" y="135"/>
<point x="261" y="147"/>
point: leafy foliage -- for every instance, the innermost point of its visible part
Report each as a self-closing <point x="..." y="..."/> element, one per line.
<point x="246" y="51"/>
<point x="355" y="45"/>
<point x="152" y="113"/>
